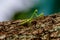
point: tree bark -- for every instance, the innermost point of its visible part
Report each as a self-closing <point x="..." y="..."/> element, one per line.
<point x="41" y="28"/>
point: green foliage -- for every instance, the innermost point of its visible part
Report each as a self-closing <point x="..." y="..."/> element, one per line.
<point x="23" y="14"/>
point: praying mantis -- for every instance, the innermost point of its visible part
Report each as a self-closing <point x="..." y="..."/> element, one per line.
<point x="30" y="19"/>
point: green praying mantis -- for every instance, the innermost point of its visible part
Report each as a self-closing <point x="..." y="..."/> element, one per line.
<point x="30" y="19"/>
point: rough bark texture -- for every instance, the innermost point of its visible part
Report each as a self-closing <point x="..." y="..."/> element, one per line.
<point x="42" y="28"/>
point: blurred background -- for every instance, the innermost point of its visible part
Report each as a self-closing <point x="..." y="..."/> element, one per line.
<point x="48" y="7"/>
